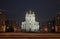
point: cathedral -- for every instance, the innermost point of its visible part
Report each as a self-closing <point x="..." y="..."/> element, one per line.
<point x="30" y="24"/>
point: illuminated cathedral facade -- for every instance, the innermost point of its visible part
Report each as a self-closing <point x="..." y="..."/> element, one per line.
<point x="30" y="24"/>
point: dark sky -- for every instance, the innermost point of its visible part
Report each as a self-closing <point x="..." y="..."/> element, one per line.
<point x="44" y="9"/>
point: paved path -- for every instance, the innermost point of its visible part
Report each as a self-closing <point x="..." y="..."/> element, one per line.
<point x="29" y="35"/>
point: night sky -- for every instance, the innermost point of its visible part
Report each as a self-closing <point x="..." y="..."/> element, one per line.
<point x="16" y="9"/>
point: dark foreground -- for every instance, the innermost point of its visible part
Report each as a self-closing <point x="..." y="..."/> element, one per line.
<point x="29" y="36"/>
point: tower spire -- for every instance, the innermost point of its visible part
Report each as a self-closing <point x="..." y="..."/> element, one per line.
<point x="30" y="11"/>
